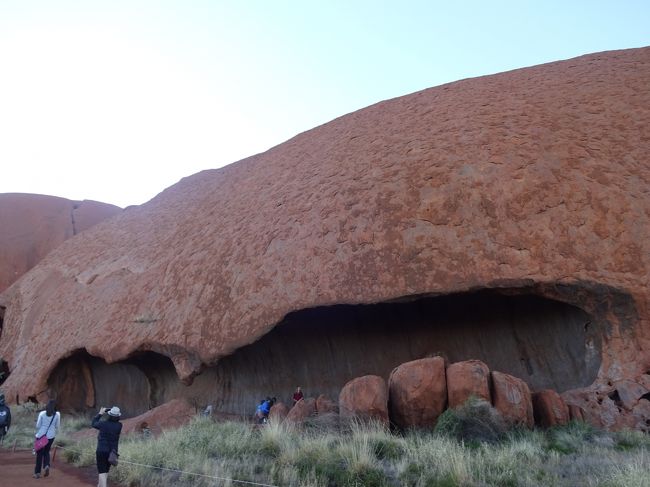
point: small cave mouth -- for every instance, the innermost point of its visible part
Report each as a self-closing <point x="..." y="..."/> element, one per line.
<point x="2" y="319"/>
<point x="4" y="371"/>
<point x="83" y="382"/>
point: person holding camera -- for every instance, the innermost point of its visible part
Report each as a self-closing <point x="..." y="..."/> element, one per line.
<point x="5" y="418"/>
<point x="107" y="440"/>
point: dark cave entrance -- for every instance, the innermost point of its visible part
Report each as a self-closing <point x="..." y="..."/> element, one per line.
<point x="2" y="318"/>
<point x="548" y="343"/>
<point x="82" y="382"/>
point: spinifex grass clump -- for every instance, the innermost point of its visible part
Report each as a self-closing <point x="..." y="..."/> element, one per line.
<point x="474" y="422"/>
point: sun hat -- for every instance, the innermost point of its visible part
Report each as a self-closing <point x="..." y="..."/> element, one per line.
<point x="115" y="412"/>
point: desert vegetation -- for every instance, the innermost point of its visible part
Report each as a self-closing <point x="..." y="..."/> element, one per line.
<point x="470" y="446"/>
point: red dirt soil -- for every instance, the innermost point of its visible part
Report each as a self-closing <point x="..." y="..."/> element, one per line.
<point x="16" y="469"/>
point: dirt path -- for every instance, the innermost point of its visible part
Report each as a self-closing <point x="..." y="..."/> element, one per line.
<point x="16" y="470"/>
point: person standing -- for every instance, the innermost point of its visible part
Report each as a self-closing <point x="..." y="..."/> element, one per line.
<point x="107" y="440"/>
<point x="297" y="395"/>
<point x="47" y="424"/>
<point x="5" y="417"/>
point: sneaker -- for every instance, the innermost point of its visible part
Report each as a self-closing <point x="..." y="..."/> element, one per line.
<point x="37" y="475"/>
<point x="47" y="472"/>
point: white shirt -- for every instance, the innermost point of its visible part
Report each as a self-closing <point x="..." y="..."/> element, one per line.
<point x="43" y="422"/>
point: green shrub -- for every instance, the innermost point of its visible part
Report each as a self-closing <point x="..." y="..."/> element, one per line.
<point x="569" y="438"/>
<point x="476" y="421"/>
<point x="630" y="440"/>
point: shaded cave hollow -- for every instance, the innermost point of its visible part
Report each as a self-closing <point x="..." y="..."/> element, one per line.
<point x="548" y="343"/>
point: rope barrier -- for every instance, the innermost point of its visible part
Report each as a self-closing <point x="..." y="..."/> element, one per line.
<point x="175" y="470"/>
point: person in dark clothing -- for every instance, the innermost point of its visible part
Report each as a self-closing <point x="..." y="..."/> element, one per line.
<point x="5" y="417"/>
<point x="107" y="439"/>
<point x="47" y="424"/>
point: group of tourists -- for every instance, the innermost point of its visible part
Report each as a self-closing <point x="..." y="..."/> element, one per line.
<point x="264" y="407"/>
<point x="48" y="423"/>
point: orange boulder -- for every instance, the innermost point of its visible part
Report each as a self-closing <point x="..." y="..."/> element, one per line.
<point x="465" y="379"/>
<point x="278" y="413"/>
<point x="549" y="409"/>
<point x="511" y="397"/>
<point x="417" y="392"/>
<point x="302" y="410"/>
<point x="366" y="398"/>
<point x="325" y="405"/>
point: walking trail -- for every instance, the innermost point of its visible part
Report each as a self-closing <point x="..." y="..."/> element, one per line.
<point x="16" y="470"/>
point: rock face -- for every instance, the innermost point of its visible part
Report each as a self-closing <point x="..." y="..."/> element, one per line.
<point x="417" y="392"/>
<point x="32" y="225"/>
<point x="365" y="398"/>
<point x="511" y="397"/>
<point x="502" y="218"/>
<point x="550" y="409"/>
<point x="465" y="379"/>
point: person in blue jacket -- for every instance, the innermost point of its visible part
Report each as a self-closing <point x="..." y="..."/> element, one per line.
<point x="107" y="439"/>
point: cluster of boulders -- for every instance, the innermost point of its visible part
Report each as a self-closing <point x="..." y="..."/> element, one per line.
<point x="418" y="392"/>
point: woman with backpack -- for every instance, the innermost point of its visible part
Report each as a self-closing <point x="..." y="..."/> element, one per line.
<point x="47" y="425"/>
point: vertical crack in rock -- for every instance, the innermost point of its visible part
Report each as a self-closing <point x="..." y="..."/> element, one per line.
<point x="72" y="220"/>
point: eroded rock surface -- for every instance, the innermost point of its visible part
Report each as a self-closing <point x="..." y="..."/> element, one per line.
<point x="549" y="409"/>
<point x="511" y="397"/>
<point x="466" y="379"/>
<point x="32" y="225"/>
<point x="302" y="410"/>
<point x="418" y="392"/>
<point x="531" y="183"/>
<point x="365" y="398"/>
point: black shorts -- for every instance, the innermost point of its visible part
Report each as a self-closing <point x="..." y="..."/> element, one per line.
<point x="102" y="462"/>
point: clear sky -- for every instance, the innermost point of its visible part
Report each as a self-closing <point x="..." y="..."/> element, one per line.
<point x="116" y="100"/>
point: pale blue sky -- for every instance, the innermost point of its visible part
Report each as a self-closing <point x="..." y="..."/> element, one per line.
<point x="117" y="100"/>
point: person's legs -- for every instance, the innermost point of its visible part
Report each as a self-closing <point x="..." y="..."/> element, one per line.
<point x="46" y="457"/>
<point x="102" y="468"/>
<point x="39" y="462"/>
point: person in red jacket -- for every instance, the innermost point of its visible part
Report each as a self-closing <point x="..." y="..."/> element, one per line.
<point x="297" y="396"/>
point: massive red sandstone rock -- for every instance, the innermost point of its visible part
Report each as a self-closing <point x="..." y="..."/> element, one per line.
<point x="511" y="397"/>
<point x="365" y="398"/>
<point x="549" y="409"/>
<point x="32" y="225"/>
<point x="466" y="379"/>
<point x="532" y="181"/>
<point x="417" y="392"/>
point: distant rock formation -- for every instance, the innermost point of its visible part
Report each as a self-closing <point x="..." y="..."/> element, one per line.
<point x="32" y="225"/>
<point x="504" y="218"/>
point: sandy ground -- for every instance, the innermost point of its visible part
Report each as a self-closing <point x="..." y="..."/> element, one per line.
<point x="16" y="470"/>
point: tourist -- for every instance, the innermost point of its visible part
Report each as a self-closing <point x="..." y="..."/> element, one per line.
<point x="47" y="425"/>
<point x="298" y="395"/>
<point x="263" y="409"/>
<point x="5" y="417"/>
<point x="107" y="440"/>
